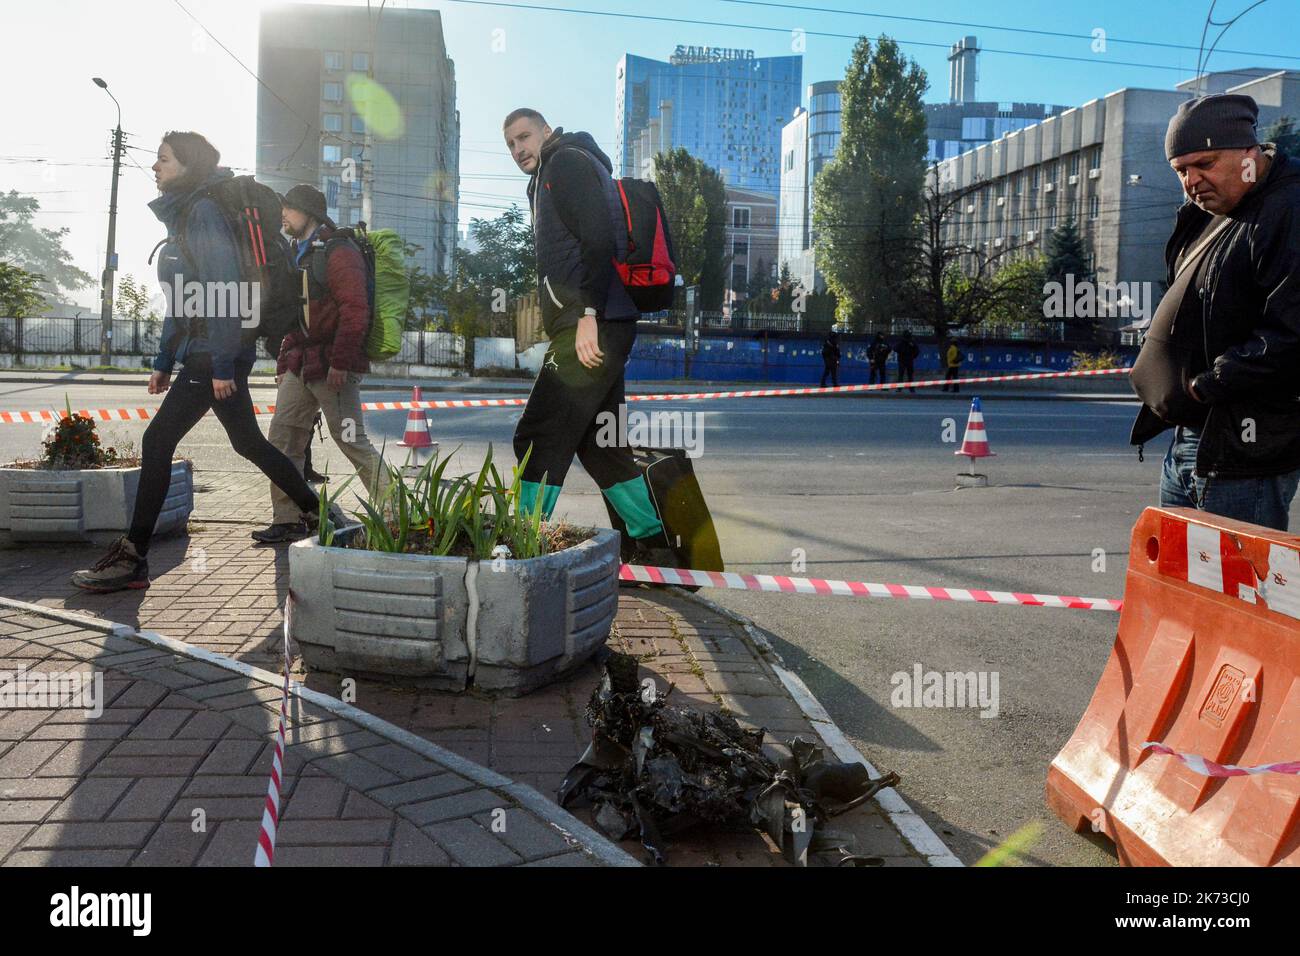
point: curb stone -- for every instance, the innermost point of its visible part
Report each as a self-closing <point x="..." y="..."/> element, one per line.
<point x="591" y="842"/>
<point x="909" y="823"/>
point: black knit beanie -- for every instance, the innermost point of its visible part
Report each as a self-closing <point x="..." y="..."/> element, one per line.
<point x="1218" y="121"/>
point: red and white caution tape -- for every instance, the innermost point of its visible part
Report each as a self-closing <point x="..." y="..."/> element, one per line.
<point x="776" y="582"/>
<point x="1208" y="768"/>
<point x="265" y="854"/>
<point x="46" y="416"/>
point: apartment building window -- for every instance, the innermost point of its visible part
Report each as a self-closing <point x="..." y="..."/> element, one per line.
<point x="358" y="124"/>
<point x="331" y="153"/>
<point x="1049" y="171"/>
<point x="739" y="277"/>
<point x="360" y="62"/>
<point x="333" y="60"/>
<point x="332" y="92"/>
<point x="1034" y="180"/>
<point x="740" y="217"/>
<point x="1094" y="158"/>
<point x="1074" y="164"/>
<point x="740" y="248"/>
<point x="332" y="122"/>
<point x="1094" y="207"/>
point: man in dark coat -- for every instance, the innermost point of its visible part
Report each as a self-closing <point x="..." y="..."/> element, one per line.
<point x="1236" y="449"/>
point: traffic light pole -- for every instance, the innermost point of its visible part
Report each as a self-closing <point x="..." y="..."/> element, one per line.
<point x="110" y="259"/>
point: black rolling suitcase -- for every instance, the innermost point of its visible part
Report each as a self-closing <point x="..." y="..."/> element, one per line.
<point x="677" y="499"/>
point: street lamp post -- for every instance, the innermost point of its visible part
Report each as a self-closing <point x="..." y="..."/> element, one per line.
<point x="110" y="257"/>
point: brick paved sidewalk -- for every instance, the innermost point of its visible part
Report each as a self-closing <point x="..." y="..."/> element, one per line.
<point x="217" y="592"/>
<point x="174" y="773"/>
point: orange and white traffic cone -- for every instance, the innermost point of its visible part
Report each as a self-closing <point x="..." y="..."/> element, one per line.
<point x="416" y="436"/>
<point x="974" y="444"/>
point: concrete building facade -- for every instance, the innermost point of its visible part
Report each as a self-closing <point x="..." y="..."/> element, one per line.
<point x="751" y="241"/>
<point x="364" y="107"/>
<point x="1102" y="165"/>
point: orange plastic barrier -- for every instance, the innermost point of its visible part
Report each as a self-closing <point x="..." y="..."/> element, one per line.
<point x="1206" y="662"/>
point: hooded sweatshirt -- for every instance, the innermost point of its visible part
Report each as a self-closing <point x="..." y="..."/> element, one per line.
<point x="209" y="255"/>
<point x="578" y="230"/>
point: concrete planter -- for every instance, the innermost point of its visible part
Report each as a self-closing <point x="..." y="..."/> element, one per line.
<point x="453" y="623"/>
<point x="89" y="506"/>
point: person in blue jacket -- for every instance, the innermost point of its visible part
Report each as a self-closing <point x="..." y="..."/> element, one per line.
<point x="213" y="354"/>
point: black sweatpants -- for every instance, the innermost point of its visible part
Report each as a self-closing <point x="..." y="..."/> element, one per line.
<point x="951" y="379"/>
<point x="876" y="373"/>
<point x="559" y="420"/>
<point x="187" y="401"/>
<point x="833" y="370"/>
<point x="906" y="373"/>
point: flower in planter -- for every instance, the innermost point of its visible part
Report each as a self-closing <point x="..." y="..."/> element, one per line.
<point x="73" y="444"/>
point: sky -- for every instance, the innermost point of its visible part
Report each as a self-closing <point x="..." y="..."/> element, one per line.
<point x="165" y="63"/>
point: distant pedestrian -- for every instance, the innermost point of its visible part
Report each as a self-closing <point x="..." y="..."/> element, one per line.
<point x="831" y="358"/>
<point x="907" y="350"/>
<point x="877" y="356"/>
<point x="952" y="362"/>
<point x="214" y="355"/>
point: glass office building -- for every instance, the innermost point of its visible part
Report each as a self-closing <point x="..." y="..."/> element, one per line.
<point x="725" y="107"/>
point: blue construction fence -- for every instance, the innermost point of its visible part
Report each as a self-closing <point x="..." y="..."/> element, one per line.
<point x="745" y="358"/>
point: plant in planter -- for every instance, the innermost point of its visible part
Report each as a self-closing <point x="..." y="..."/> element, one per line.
<point x="451" y="583"/>
<point x="78" y="490"/>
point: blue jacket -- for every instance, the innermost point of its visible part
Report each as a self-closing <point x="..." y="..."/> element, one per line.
<point x="212" y="253"/>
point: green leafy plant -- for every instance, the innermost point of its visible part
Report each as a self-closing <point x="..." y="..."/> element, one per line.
<point x="474" y="514"/>
<point x="325" y="529"/>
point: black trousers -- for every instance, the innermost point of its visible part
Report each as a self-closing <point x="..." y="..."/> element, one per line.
<point x="560" y="419"/>
<point x="876" y="374"/>
<point x="187" y="401"/>
<point x="906" y="372"/>
<point x="833" y="370"/>
<point x="951" y="379"/>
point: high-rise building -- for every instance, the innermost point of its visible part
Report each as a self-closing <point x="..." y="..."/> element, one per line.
<point x="1102" y="165"/>
<point x="808" y="143"/>
<point x="362" y="103"/>
<point x="724" y="106"/>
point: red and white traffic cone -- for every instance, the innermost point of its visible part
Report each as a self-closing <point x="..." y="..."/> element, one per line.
<point x="416" y="436"/>
<point x="974" y="444"/>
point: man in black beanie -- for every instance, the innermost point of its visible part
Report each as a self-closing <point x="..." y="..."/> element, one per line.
<point x="1221" y="360"/>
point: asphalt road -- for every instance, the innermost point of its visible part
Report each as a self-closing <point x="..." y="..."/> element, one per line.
<point x="863" y="489"/>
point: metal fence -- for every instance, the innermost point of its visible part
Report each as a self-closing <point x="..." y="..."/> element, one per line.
<point x="741" y="321"/>
<point x="41" y="336"/>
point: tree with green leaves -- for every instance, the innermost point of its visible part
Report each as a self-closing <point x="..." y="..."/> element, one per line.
<point x="133" y="302"/>
<point x="866" y="199"/>
<point x="954" y="285"/>
<point x="695" y="199"/>
<point x="36" y="250"/>
<point x="504" y="257"/>
<point x="1067" y="255"/>
<point x="20" y="291"/>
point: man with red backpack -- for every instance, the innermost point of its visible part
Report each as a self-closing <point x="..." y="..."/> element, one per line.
<point x="320" y="365"/>
<point x="590" y="317"/>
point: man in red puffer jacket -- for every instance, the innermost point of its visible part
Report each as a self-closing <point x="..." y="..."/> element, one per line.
<point x="320" y="367"/>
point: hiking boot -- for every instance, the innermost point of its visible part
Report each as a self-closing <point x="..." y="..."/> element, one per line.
<point x="281" y="533"/>
<point x="121" y="568"/>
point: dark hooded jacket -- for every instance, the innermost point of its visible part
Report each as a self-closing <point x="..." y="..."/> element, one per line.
<point x="210" y="256"/>
<point x="578" y="230"/>
<point x="1249" y="331"/>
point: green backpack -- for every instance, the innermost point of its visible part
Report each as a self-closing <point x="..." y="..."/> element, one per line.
<point x="392" y="295"/>
<point x="387" y="285"/>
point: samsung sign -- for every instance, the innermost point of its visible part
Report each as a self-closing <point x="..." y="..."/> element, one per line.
<point x="707" y="54"/>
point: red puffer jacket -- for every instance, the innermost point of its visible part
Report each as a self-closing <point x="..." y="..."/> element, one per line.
<point x="340" y="319"/>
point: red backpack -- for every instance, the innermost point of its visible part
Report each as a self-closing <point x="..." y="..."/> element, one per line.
<point x="649" y="271"/>
<point x="648" y="267"/>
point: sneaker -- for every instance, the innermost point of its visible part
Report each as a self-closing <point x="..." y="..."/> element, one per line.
<point x="121" y="568"/>
<point x="282" y="532"/>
